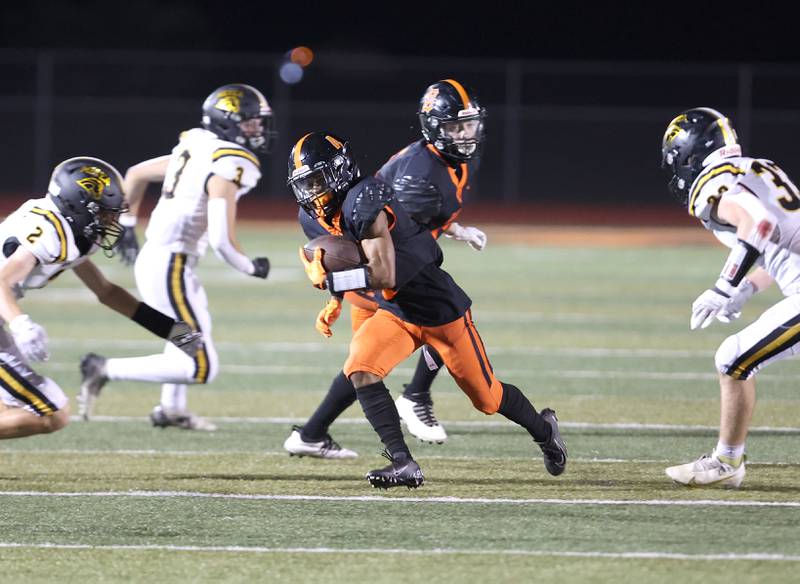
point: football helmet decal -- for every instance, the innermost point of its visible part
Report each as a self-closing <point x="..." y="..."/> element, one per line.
<point x="692" y="141"/>
<point x="321" y="171"/>
<point x="240" y="113"/>
<point x="88" y="193"/>
<point x="452" y="120"/>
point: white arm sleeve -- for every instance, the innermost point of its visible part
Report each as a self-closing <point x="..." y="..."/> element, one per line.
<point x="219" y="240"/>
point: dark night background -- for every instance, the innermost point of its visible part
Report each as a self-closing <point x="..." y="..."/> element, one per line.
<point x="578" y="94"/>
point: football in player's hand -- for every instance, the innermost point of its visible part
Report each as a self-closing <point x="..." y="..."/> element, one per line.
<point x="339" y="253"/>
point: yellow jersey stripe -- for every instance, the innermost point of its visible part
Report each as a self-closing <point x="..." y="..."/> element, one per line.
<point x="220" y="152"/>
<point x="724" y="169"/>
<point x="62" y="236"/>
<point x="297" y="148"/>
<point x="461" y="92"/>
<point x="742" y="367"/>
<point x="42" y="406"/>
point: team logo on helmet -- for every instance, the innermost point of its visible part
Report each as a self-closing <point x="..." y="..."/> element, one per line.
<point x="229" y="100"/>
<point x="674" y="128"/>
<point x="95" y="183"/>
<point x="429" y="99"/>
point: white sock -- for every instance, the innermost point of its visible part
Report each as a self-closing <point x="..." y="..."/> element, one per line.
<point x="173" y="397"/>
<point x="730" y="453"/>
<point x="161" y="368"/>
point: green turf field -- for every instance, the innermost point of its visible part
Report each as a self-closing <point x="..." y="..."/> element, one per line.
<point x="601" y="335"/>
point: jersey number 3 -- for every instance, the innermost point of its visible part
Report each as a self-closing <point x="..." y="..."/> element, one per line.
<point x="790" y="199"/>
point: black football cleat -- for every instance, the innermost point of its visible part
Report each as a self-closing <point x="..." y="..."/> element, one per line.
<point x="554" y="450"/>
<point x="402" y="472"/>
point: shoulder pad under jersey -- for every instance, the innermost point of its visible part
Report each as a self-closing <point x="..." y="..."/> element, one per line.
<point x="372" y="197"/>
<point x="711" y="184"/>
<point x="46" y="235"/>
<point x="237" y="165"/>
<point x="420" y="198"/>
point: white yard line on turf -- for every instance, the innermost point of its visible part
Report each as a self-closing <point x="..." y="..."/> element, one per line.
<point x="468" y="424"/>
<point x="404" y="499"/>
<point x="319" y="347"/>
<point x="653" y="555"/>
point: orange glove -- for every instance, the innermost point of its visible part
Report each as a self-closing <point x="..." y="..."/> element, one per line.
<point x="314" y="269"/>
<point x="328" y="315"/>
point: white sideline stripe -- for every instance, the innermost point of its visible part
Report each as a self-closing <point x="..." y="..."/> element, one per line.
<point x="540" y="373"/>
<point x="318" y="347"/>
<point x="283" y="453"/>
<point x="467" y="424"/>
<point x="387" y="499"/>
<point x="414" y="552"/>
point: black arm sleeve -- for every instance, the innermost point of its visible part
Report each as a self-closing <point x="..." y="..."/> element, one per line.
<point x="156" y="322"/>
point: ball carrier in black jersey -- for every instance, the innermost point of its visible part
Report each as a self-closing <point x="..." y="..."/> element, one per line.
<point x="420" y="304"/>
<point x="430" y="178"/>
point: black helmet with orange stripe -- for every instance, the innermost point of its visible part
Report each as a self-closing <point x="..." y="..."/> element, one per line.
<point x="452" y="120"/>
<point x="241" y="114"/>
<point x="693" y="140"/>
<point x="321" y="171"/>
<point x="88" y="193"/>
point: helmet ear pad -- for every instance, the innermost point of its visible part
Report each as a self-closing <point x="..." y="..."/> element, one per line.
<point x="348" y="170"/>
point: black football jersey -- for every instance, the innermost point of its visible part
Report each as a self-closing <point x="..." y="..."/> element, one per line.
<point x="424" y="294"/>
<point x="430" y="189"/>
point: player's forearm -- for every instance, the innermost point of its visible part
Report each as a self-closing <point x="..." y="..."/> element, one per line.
<point x="220" y="239"/>
<point x="119" y="300"/>
<point x="9" y="308"/>
<point x="139" y="176"/>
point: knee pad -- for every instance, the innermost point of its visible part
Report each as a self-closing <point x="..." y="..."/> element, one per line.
<point x="727" y="353"/>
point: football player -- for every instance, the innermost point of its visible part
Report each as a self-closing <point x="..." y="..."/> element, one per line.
<point x="41" y="239"/>
<point x="751" y="206"/>
<point x="204" y="177"/>
<point x="429" y="178"/>
<point x="419" y="304"/>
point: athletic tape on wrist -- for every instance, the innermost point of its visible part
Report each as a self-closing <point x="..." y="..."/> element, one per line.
<point x="742" y="257"/>
<point x="355" y="279"/>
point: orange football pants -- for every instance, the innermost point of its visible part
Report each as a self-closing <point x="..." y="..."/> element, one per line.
<point x="361" y="309"/>
<point x="382" y="341"/>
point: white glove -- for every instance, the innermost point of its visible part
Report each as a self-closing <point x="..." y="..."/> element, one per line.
<point x="472" y="235"/>
<point x="31" y="338"/>
<point x="187" y="340"/>
<point x="733" y="309"/>
<point x="708" y="306"/>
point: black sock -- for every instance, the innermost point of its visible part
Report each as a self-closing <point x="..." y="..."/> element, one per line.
<point x="419" y="389"/>
<point x="340" y="396"/>
<point x="381" y="412"/>
<point x="516" y="407"/>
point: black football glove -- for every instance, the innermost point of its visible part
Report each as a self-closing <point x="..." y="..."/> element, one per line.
<point x="260" y="267"/>
<point x="128" y="246"/>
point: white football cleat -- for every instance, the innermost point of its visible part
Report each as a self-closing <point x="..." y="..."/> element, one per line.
<point x="161" y="418"/>
<point x="325" y="448"/>
<point x="420" y="420"/>
<point x="707" y="471"/>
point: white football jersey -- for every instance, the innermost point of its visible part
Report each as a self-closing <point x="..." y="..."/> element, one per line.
<point x="180" y="220"/>
<point x="760" y="177"/>
<point x="38" y="226"/>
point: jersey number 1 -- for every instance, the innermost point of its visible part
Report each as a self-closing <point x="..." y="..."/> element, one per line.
<point x="169" y="191"/>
